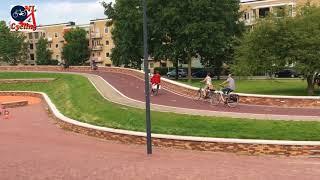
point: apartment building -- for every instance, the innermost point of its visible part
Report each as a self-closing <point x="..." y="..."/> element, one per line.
<point x="255" y="9"/>
<point x="98" y="34"/>
<point x="100" y="42"/>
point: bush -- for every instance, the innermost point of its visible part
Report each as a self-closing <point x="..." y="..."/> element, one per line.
<point x="53" y="62"/>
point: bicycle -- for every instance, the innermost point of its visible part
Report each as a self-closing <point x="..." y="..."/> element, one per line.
<point x="155" y="89"/>
<point x="204" y="94"/>
<point x="231" y="100"/>
<point x="19" y="12"/>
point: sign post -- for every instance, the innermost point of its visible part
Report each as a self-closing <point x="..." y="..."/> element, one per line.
<point x="146" y="78"/>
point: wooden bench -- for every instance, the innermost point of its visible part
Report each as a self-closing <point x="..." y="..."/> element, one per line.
<point x="13" y="104"/>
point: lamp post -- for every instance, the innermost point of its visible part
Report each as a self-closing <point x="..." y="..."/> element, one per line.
<point x="146" y="78"/>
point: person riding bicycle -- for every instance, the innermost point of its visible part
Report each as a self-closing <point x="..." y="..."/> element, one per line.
<point x="93" y="65"/>
<point x="208" y="84"/>
<point x="231" y="85"/>
<point x="155" y="80"/>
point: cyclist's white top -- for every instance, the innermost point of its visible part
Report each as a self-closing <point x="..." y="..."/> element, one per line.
<point x="208" y="80"/>
<point x="231" y="83"/>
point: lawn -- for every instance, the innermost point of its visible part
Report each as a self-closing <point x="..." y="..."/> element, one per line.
<point x="75" y="97"/>
<point x="290" y="87"/>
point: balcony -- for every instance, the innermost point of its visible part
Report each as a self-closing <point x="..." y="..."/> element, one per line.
<point x="97" y="48"/>
<point x="96" y="35"/>
<point x="49" y="39"/>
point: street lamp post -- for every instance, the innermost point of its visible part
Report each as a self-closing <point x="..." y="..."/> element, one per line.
<point x="146" y="78"/>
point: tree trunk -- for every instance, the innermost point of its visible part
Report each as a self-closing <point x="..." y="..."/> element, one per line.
<point x="310" y="85"/>
<point x="189" y="68"/>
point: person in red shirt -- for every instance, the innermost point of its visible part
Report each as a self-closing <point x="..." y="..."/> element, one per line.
<point x="155" y="80"/>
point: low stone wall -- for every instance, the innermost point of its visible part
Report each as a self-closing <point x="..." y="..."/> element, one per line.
<point x="250" y="147"/>
<point x="14" y="104"/>
<point x="185" y="90"/>
<point x="281" y="101"/>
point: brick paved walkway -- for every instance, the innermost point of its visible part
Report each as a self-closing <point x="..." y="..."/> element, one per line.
<point x="33" y="147"/>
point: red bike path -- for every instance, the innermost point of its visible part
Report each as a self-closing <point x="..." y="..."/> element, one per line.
<point x="32" y="147"/>
<point x="133" y="88"/>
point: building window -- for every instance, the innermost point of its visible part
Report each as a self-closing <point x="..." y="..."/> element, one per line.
<point x="151" y="65"/>
<point x="31" y="56"/>
<point x="246" y="16"/>
<point x="106" y="30"/>
<point x="36" y="35"/>
<point x="31" y="46"/>
<point x="57" y="45"/>
<point x="263" y="12"/>
<point x="49" y="45"/>
<point x="107" y="54"/>
<point x="43" y="34"/>
<point x="92" y="54"/>
<point x="107" y="42"/>
<point x="98" y="54"/>
<point x="56" y="35"/>
<point x="30" y="35"/>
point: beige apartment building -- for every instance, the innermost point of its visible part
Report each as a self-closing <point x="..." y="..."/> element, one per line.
<point x="100" y="42"/>
<point x="255" y="9"/>
<point x="98" y="34"/>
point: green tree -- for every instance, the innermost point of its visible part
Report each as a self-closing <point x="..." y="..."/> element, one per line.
<point x="13" y="49"/>
<point x="75" y="51"/>
<point x="277" y="42"/>
<point x="195" y="28"/>
<point x="127" y="32"/>
<point x="178" y="30"/>
<point x="44" y="55"/>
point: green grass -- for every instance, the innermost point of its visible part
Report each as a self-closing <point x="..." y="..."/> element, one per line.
<point x="290" y="87"/>
<point x="76" y="98"/>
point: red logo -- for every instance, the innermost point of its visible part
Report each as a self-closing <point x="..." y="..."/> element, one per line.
<point x="23" y="18"/>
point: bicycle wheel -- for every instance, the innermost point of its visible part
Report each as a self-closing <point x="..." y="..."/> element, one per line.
<point x="232" y="100"/>
<point x="198" y="95"/>
<point x="215" y="99"/>
<point x="155" y="91"/>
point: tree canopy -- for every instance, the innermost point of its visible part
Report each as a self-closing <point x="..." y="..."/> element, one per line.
<point x="275" y="43"/>
<point x="44" y="55"/>
<point x="13" y="48"/>
<point x="75" y="51"/>
<point x="178" y="30"/>
<point x="127" y="32"/>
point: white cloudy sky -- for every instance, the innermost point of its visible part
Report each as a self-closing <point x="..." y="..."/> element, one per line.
<point x="57" y="11"/>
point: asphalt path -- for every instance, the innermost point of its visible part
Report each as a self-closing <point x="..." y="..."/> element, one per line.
<point x="133" y="88"/>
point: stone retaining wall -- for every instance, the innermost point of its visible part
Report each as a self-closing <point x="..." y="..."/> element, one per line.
<point x="182" y="89"/>
<point x="14" y="104"/>
<point x="180" y="142"/>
